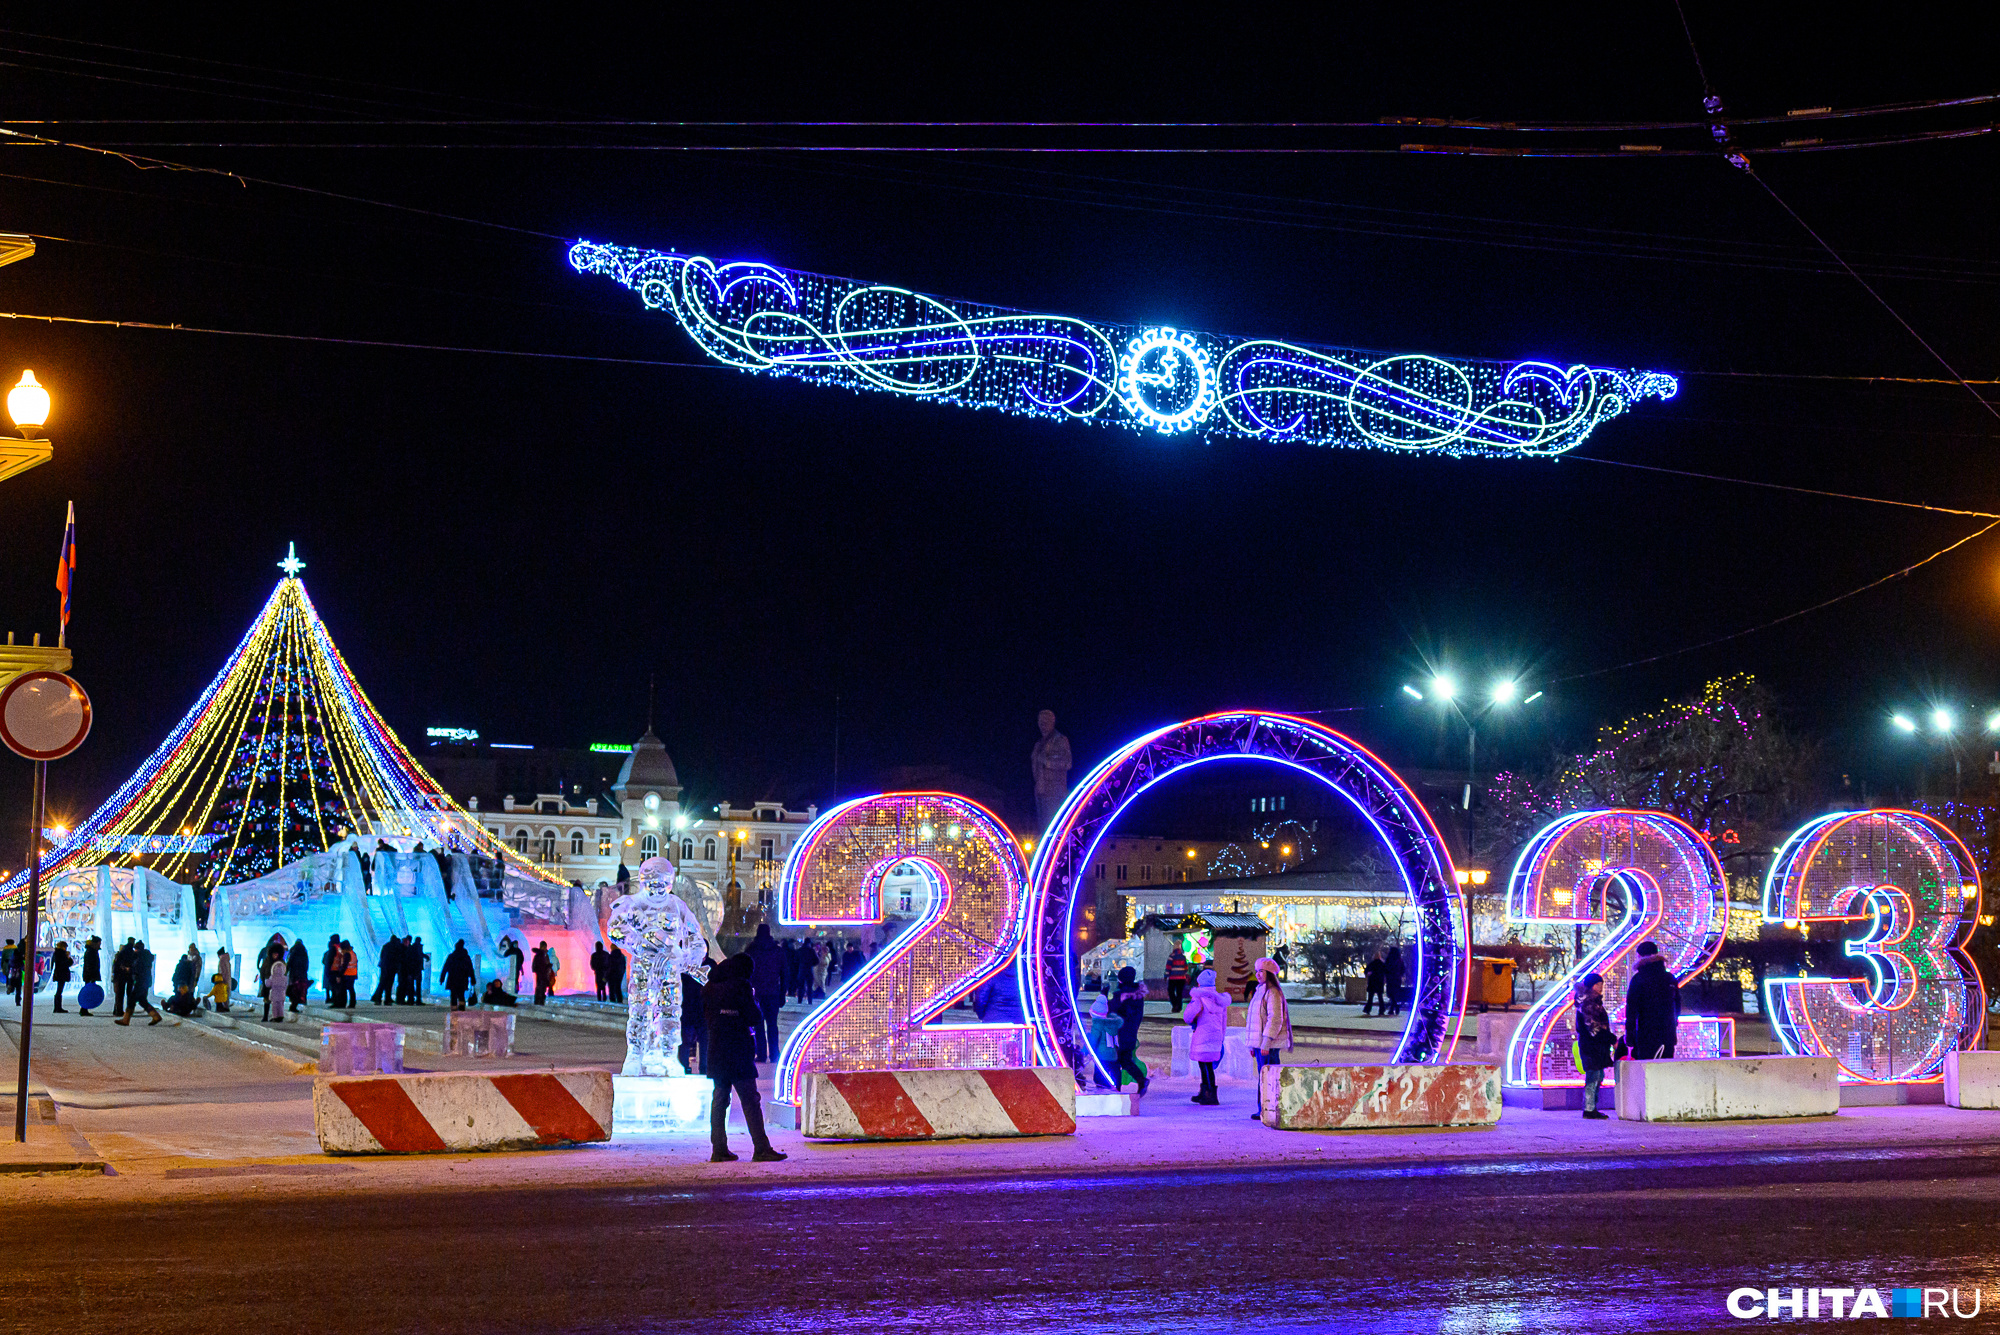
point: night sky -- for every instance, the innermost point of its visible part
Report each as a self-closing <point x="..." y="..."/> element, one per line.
<point x="515" y="544"/>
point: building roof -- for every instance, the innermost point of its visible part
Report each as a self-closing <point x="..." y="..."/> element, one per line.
<point x="1218" y="924"/>
<point x="648" y="767"/>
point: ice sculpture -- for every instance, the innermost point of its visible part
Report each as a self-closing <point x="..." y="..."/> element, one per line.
<point x="663" y="940"/>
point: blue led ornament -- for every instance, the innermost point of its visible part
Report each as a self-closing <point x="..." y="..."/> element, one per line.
<point x="856" y="335"/>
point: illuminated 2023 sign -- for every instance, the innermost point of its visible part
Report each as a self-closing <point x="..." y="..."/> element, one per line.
<point x="1913" y="888"/>
<point x="857" y="335"/>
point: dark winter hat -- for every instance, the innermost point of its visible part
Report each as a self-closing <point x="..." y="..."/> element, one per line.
<point x="1647" y="948"/>
<point x="1590" y="980"/>
<point x="1127" y="974"/>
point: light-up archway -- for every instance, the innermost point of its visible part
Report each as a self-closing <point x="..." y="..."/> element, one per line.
<point x="1047" y="968"/>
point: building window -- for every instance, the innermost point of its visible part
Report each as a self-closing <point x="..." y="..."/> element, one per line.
<point x="1145" y="871"/>
<point x="770" y="849"/>
<point x="649" y="846"/>
<point x="548" y="845"/>
<point x="687" y="850"/>
<point x="1121" y="871"/>
<point x="604" y="843"/>
<point x="903" y="898"/>
<point x="576" y="843"/>
<point x="521" y="842"/>
<point x="708" y="850"/>
<point x="1099" y="870"/>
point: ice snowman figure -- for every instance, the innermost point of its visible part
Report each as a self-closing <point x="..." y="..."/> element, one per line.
<point x="663" y="940"/>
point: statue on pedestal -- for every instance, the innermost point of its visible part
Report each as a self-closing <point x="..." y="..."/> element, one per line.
<point x="664" y="939"/>
<point x="1050" y="762"/>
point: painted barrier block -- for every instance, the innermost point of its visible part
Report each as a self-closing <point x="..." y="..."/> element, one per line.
<point x="1728" y="1089"/>
<point x="660" y="1105"/>
<point x="935" y="1105"/>
<point x="1346" y="1098"/>
<point x="1972" y="1079"/>
<point x="1107" y="1105"/>
<point x="456" y="1111"/>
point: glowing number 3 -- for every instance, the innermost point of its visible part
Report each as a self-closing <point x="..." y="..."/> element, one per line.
<point x="1915" y="885"/>
<point x="876" y="1020"/>
<point x="1673" y="893"/>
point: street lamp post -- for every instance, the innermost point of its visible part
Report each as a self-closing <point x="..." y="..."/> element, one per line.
<point x="1444" y="690"/>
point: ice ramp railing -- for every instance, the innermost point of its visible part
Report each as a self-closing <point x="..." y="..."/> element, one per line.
<point x="313" y="898"/>
<point x="116" y="902"/>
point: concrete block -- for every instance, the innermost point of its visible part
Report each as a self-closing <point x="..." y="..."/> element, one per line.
<point x="653" y="1105"/>
<point x="1972" y="1079"/>
<point x="935" y="1105"/>
<point x="456" y="1111"/>
<point x="1728" y="1088"/>
<point x="1860" y="1094"/>
<point x="1314" y="1098"/>
<point x="1107" y="1105"/>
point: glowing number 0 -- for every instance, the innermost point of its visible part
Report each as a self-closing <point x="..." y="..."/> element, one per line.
<point x="876" y="1020"/>
<point x="1672" y="891"/>
<point x="1915" y="885"/>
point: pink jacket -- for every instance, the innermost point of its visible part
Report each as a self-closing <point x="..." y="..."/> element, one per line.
<point x="1270" y="1022"/>
<point x="1208" y="1012"/>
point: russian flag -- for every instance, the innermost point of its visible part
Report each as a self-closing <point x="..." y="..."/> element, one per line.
<point x="66" y="564"/>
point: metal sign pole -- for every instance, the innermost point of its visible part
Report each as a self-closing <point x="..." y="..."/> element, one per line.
<point x="28" y="951"/>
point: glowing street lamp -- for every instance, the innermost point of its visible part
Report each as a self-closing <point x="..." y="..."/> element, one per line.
<point x="28" y="405"/>
<point x="1444" y="690"/>
<point x="1943" y="720"/>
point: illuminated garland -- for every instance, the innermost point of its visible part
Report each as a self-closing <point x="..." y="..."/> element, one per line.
<point x="843" y="332"/>
<point x="280" y="756"/>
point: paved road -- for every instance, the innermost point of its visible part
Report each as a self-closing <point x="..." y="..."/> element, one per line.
<point x="1652" y="1244"/>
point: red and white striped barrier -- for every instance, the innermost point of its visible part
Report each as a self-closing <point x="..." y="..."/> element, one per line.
<point x="455" y="1111"/>
<point x="1348" y="1098"/>
<point x="936" y="1105"/>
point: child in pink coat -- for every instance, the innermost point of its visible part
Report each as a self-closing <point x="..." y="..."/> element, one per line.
<point x="1208" y="1012"/>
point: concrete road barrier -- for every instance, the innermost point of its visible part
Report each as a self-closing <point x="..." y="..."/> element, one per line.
<point x="455" y="1111"/>
<point x="1348" y="1098"/>
<point x="936" y="1105"/>
<point x="1728" y="1088"/>
<point x="1972" y="1079"/>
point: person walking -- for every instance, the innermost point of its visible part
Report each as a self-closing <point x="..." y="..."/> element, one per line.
<point x="139" y="984"/>
<point x="93" y="969"/>
<point x="598" y="963"/>
<point x="614" y="972"/>
<point x="819" y="954"/>
<point x="1652" y="1006"/>
<point x="730" y="1008"/>
<point x="510" y="950"/>
<point x="59" y="971"/>
<point x="1392" y="980"/>
<point x="10" y="974"/>
<point x="851" y="960"/>
<point x="1130" y="1005"/>
<point x="330" y="977"/>
<point x="1104" y="1027"/>
<point x="1208" y="1012"/>
<point x="1177" y="977"/>
<point x="1595" y="1043"/>
<point x="459" y="974"/>
<point x="275" y="983"/>
<point x="298" y="974"/>
<point x="409" y="963"/>
<point x="767" y="981"/>
<point x="121" y="977"/>
<point x="1377" y="974"/>
<point x="1268" y="1028"/>
<point x="545" y="973"/>
<point x="350" y="973"/>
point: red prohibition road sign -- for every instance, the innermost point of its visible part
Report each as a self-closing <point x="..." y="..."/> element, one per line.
<point x="44" y="715"/>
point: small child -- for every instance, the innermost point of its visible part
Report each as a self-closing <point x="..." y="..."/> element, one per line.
<point x="1104" y="1027"/>
<point x="218" y="993"/>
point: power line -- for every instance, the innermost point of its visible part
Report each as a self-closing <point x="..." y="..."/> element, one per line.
<point x="1781" y="486"/>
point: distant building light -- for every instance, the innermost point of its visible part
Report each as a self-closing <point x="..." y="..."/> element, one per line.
<point x="452" y="734"/>
<point x="611" y="748"/>
<point x="510" y="746"/>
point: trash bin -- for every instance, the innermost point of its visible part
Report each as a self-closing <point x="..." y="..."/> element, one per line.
<point x="1492" y="981"/>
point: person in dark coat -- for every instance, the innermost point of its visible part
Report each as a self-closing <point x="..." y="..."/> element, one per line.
<point x="851" y="961"/>
<point x="998" y="1000"/>
<point x="187" y="970"/>
<point x="1652" y="1006"/>
<point x="459" y="974"/>
<point x="599" y="962"/>
<point x="93" y="967"/>
<point x="791" y="969"/>
<point x="693" y="1052"/>
<point x="730" y="1007"/>
<point x="139" y="990"/>
<point x="496" y="995"/>
<point x="1177" y="979"/>
<point x="767" y="981"/>
<point x="410" y="971"/>
<point x="1130" y="1005"/>
<point x="614" y="972"/>
<point x="385" y="972"/>
<point x="121" y="976"/>
<point x="330" y="981"/>
<point x="1392" y="980"/>
<point x="545" y="973"/>
<point x="59" y="971"/>
<point x="1594" y="1041"/>
<point x="298" y="974"/>
<point x="1377" y="974"/>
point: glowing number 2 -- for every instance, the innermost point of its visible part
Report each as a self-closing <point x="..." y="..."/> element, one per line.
<point x="1915" y="885"/>
<point x="1672" y="891"/>
<point x="876" y="1020"/>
